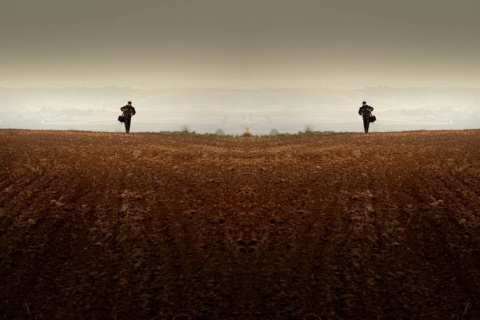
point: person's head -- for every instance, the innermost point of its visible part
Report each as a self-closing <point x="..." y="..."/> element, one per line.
<point x="364" y="102"/>
<point x="129" y="103"/>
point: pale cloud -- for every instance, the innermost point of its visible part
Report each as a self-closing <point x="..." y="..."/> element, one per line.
<point x="206" y="110"/>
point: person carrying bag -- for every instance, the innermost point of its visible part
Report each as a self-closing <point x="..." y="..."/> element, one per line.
<point x="128" y="112"/>
<point x="366" y="112"/>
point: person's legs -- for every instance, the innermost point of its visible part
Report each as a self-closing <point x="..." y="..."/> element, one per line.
<point x="366" y="124"/>
<point x="127" y="124"/>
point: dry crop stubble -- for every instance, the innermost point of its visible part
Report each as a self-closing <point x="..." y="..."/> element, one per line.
<point x="159" y="226"/>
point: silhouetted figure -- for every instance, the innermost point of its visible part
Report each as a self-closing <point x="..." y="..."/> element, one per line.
<point x="365" y="111"/>
<point x="128" y="113"/>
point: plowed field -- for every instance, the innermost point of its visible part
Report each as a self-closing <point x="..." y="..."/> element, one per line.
<point x="178" y="226"/>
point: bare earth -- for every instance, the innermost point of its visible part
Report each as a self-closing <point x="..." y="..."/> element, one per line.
<point x="177" y="226"/>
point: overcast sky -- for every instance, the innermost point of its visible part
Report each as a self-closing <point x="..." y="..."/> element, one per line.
<point x="247" y="43"/>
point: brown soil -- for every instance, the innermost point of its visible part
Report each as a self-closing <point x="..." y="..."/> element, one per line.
<point x="177" y="226"/>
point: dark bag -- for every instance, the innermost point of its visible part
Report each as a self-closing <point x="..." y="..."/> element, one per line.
<point x="121" y="118"/>
<point x="373" y="118"/>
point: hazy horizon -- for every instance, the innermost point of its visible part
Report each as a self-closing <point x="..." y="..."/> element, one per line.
<point x="232" y="110"/>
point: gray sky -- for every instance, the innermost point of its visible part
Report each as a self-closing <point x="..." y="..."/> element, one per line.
<point x="247" y="43"/>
